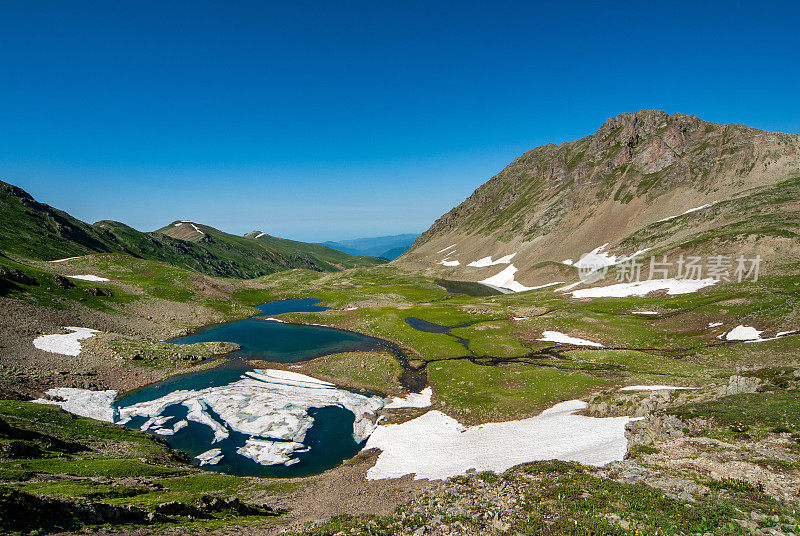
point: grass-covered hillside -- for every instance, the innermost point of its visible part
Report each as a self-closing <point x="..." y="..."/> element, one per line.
<point x="33" y="230"/>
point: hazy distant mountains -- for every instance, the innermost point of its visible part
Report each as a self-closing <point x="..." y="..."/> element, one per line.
<point x="387" y="247"/>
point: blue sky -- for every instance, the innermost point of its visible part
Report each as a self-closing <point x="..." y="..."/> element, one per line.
<point x="334" y="120"/>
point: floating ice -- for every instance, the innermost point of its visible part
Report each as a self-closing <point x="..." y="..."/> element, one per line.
<point x="210" y="457"/>
<point x="270" y="406"/>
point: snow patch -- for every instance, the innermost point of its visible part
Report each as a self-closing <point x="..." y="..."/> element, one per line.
<point x="644" y="312"/>
<point x="687" y="212"/>
<point x="436" y="446"/>
<point x="715" y="324"/>
<point x="642" y="288"/>
<point x="487" y="261"/>
<point x="445" y="249"/>
<point x="87" y="277"/>
<point x="449" y="263"/>
<point x="743" y="333"/>
<point x="557" y="336"/>
<point x="97" y="405"/>
<point x="67" y="259"/>
<point x="412" y="400"/>
<point x="67" y="344"/>
<point x="655" y="388"/>
<point x="260" y="235"/>
<point x="505" y="280"/>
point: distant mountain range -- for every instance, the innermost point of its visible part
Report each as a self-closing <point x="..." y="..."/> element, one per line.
<point x="387" y="247"/>
<point x="668" y="184"/>
<point x="34" y="230"/>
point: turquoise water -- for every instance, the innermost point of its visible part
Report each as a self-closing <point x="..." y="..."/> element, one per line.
<point x="330" y="438"/>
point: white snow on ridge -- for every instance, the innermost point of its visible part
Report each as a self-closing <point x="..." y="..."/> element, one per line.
<point x="260" y="235"/>
<point x="445" y="249"/>
<point x="93" y="404"/>
<point x="270" y="406"/>
<point x="68" y="344"/>
<point x="412" y="400"/>
<point x="487" y="261"/>
<point x="557" y="336"/>
<point x="656" y="388"/>
<point x="88" y="277"/>
<point x="417" y="446"/>
<point x="687" y="212"/>
<point x="642" y="288"/>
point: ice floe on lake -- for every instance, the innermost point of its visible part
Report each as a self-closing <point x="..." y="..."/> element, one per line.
<point x="412" y="400"/>
<point x="97" y="405"/>
<point x="557" y="336"/>
<point x="642" y="288"/>
<point x="64" y="344"/>
<point x="210" y="457"/>
<point x="487" y="261"/>
<point x="436" y="446"/>
<point x="89" y="277"/>
<point x="270" y="406"/>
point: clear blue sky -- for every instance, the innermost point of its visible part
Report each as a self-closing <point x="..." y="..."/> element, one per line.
<point x="332" y="120"/>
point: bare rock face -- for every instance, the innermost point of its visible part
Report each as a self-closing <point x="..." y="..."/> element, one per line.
<point x="617" y="186"/>
<point x="740" y="384"/>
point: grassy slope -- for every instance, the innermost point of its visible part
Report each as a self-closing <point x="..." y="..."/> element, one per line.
<point x="34" y="230"/>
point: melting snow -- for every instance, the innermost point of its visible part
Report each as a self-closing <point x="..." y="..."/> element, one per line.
<point x="487" y="261"/>
<point x="568" y="262"/>
<point x="88" y="277"/>
<point x="505" y="280"/>
<point x="436" y="446"/>
<point x="67" y="259"/>
<point x="654" y="388"/>
<point x="64" y="344"/>
<point x="687" y="212"/>
<point x="557" y="336"/>
<point x="260" y="235"/>
<point x="449" y="263"/>
<point x="210" y="457"/>
<point x="270" y="406"/>
<point x="97" y="405"/>
<point x="644" y="312"/>
<point x="642" y="288"/>
<point x="714" y="324"/>
<point x="743" y="333"/>
<point x="445" y="249"/>
<point x="413" y="400"/>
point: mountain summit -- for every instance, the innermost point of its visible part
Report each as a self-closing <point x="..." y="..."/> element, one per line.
<point x="643" y="180"/>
